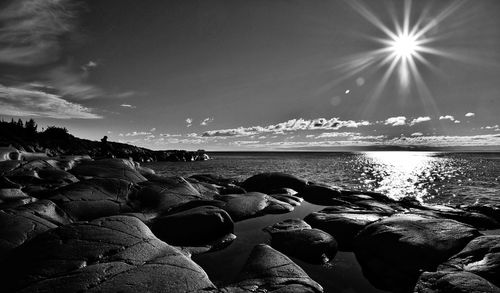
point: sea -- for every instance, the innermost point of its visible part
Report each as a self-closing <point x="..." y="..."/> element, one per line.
<point x="430" y="177"/>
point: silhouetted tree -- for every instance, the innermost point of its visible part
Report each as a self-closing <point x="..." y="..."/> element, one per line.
<point x="30" y="126"/>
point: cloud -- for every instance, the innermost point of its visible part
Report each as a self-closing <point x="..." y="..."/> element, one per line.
<point x="338" y="134"/>
<point x="34" y="102"/>
<point x="420" y="120"/>
<point x="447" y="117"/>
<point x="140" y="133"/>
<point x="491" y="127"/>
<point x="206" y="121"/>
<point x="417" y="134"/>
<point x="395" y="121"/>
<point x="189" y="122"/>
<point x="32" y="30"/>
<point x="470" y="114"/>
<point x="128" y="106"/>
<point x="290" y="125"/>
<point x="153" y="129"/>
<point x="169" y="135"/>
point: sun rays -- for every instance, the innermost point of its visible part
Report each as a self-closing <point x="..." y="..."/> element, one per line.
<point x="405" y="47"/>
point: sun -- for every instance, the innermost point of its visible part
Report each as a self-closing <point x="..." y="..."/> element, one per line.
<point x="404" y="46"/>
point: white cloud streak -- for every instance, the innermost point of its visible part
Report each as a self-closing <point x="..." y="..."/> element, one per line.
<point x="24" y="102"/>
<point x="396" y="121"/>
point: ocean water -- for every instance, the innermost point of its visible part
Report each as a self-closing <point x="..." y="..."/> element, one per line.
<point x="441" y="178"/>
<point x="431" y="177"/>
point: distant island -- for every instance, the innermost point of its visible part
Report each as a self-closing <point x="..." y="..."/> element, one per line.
<point x="55" y="141"/>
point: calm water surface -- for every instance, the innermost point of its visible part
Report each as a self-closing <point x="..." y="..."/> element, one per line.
<point x="451" y="178"/>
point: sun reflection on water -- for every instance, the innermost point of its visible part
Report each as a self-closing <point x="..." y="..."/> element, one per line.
<point x="403" y="174"/>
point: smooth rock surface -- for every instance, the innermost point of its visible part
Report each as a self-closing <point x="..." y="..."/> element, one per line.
<point x="193" y="227"/>
<point x="296" y="238"/>
<point x="252" y="204"/>
<point x="392" y="251"/>
<point x="94" y="198"/>
<point x="114" y="254"/>
<point x="267" y="270"/>
<point x="267" y="182"/>
<point x="459" y="282"/>
<point x="25" y="222"/>
<point x="481" y="256"/>
<point x="108" y="168"/>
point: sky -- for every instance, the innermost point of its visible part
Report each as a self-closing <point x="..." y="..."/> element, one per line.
<point x="256" y="75"/>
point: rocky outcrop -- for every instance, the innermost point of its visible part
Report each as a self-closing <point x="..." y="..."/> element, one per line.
<point x="460" y="282"/>
<point x="296" y="238"/>
<point x="25" y="222"/>
<point x="267" y="182"/>
<point x="114" y="254"/>
<point x="94" y="198"/>
<point x="267" y="270"/>
<point x="108" y="168"/>
<point x="193" y="227"/>
<point x="252" y="204"/>
<point x="392" y="251"/>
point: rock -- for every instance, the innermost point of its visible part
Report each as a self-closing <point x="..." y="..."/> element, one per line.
<point x="9" y="154"/>
<point x="252" y="204"/>
<point x="161" y="194"/>
<point x="232" y="189"/>
<point x="321" y="194"/>
<point x="343" y="223"/>
<point x="291" y="200"/>
<point x="475" y="219"/>
<point x="481" y="256"/>
<point x="114" y="254"/>
<point x="11" y="194"/>
<point x="392" y="251"/>
<point x="193" y="227"/>
<point x="489" y="210"/>
<point x="55" y="176"/>
<point x="94" y="198"/>
<point x="23" y="223"/>
<point x="267" y="270"/>
<point x="296" y="238"/>
<point x="108" y="168"/>
<point x="460" y="282"/>
<point x="266" y="182"/>
<point x="7" y="166"/>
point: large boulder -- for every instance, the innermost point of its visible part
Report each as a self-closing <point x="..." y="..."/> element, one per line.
<point x="94" y="198"/>
<point x="267" y="182"/>
<point x="161" y="194"/>
<point x="114" y="254"/>
<point x="267" y="270"/>
<point x="108" y="168"/>
<point x="392" y="251"/>
<point x="23" y="223"/>
<point x="296" y="238"/>
<point x="454" y="282"/>
<point x="481" y="256"/>
<point x="252" y="204"/>
<point x="193" y="227"/>
<point x="343" y="223"/>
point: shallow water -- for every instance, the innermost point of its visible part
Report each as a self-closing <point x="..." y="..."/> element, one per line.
<point x="450" y="178"/>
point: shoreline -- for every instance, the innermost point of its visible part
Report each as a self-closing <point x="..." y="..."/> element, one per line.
<point x="179" y="217"/>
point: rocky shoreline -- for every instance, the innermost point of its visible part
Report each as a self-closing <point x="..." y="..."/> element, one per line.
<point x="72" y="223"/>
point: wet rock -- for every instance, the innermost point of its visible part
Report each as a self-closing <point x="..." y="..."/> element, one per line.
<point x="475" y="219"/>
<point x="267" y="270"/>
<point x="108" y="168"/>
<point x="231" y="189"/>
<point x="481" y="256"/>
<point x="252" y="204"/>
<point x="392" y="251"/>
<point x="459" y="282"/>
<point x="289" y="199"/>
<point x="7" y="166"/>
<point x="296" y="238"/>
<point x="23" y="223"/>
<point x="11" y="194"/>
<point x="55" y="176"/>
<point x="489" y="210"/>
<point x="267" y="182"/>
<point x="343" y="223"/>
<point x="193" y="227"/>
<point x="321" y="194"/>
<point x="114" y="254"/>
<point x="161" y="194"/>
<point x="94" y="198"/>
